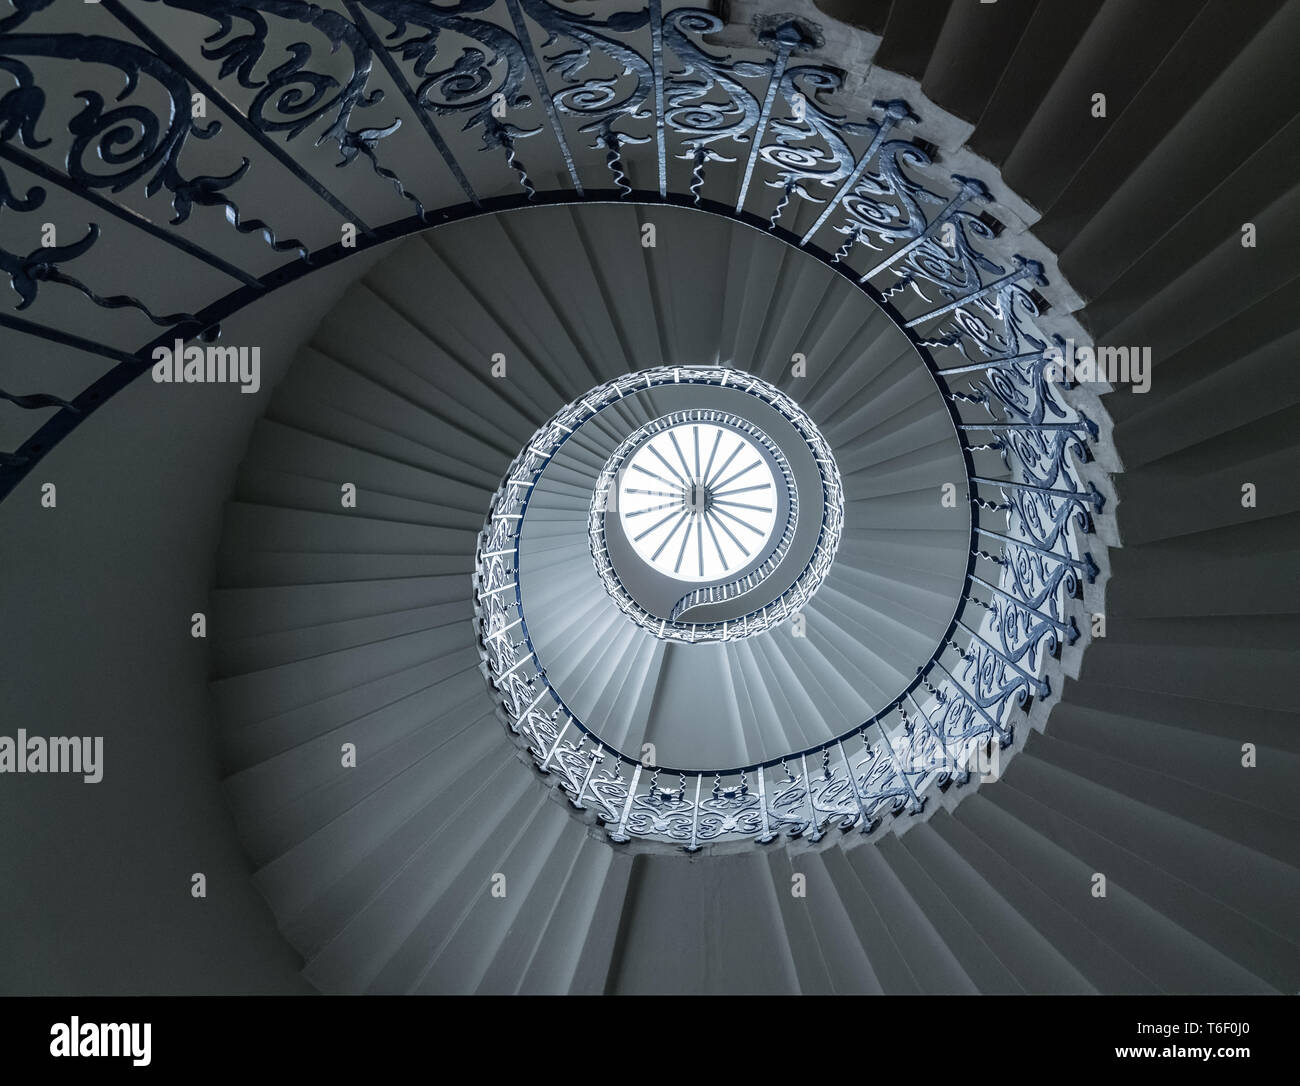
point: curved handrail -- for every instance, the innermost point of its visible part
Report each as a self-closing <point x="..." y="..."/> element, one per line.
<point x="885" y="219"/>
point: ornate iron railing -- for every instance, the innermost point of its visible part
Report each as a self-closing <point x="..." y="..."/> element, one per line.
<point x="961" y="701"/>
<point x="634" y="104"/>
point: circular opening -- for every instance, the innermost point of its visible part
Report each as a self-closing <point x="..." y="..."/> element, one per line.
<point x="697" y="501"/>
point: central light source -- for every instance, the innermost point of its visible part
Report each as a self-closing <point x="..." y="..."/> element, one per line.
<point x="697" y="501"/>
<point x="695" y="523"/>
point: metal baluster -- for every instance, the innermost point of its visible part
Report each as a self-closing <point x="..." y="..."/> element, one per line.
<point x="1040" y="685"/>
<point x="997" y="726"/>
<point x="620" y="834"/>
<point x="597" y="756"/>
<point x="853" y="783"/>
<point x="173" y="59"/>
<point x="403" y="84"/>
<point x="917" y="802"/>
<point x="1000" y="362"/>
<point x="787" y="38"/>
<point x="1086" y="564"/>
<point x="695" y="815"/>
<point x="768" y="835"/>
<point x="1070" y="630"/>
<point x="970" y="189"/>
<point x="1091" y="496"/>
<point x="657" y="60"/>
<point x="895" y="111"/>
<point x="544" y="90"/>
<point x="559" y="738"/>
<point x="1024" y="269"/>
<point x="817" y="833"/>
<point x="1084" y="423"/>
<point x="132" y="218"/>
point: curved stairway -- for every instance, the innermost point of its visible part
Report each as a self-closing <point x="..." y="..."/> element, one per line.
<point x="333" y="626"/>
<point x="380" y="879"/>
<point x="339" y="627"/>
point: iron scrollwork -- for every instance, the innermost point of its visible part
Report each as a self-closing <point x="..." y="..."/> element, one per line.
<point x="916" y="238"/>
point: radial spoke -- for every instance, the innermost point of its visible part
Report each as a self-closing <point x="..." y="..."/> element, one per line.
<point x="647" y="471"/>
<point x="655" y="493"/>
<point x="756" y="531"/>
<point x="708" y="523"/>
<point x="717" y="440"/>
<point x="672" y="436"/>
<point x="738" y="474"/>
<point x="667" y="465"/>
<point x="668" y="538"/>
<point x="686" y="538"/>
<point x="653" y="509"/>
<point x="741" y="490"/>
<point x="659" y="525"/>
<point x="740" y="447"/>
<point x="742" y="505"/>
<point x="743" y="549"/>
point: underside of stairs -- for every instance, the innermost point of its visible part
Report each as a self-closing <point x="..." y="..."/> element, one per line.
<point x="1143" y="839"/>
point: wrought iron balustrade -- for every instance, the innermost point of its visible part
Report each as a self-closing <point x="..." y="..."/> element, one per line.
<point x="512" y="103"/>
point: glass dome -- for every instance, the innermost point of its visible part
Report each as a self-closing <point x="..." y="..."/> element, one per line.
<point x="697" y="501"/>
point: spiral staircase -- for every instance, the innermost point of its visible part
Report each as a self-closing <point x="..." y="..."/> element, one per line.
<point x="776" y="787"/>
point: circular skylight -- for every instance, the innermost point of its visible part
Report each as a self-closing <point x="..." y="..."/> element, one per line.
<point x="697" y="502"/>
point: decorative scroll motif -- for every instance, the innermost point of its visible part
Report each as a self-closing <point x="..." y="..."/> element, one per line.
<point x="810" y="148"/>
<point x="41" y="265"/>
<point x="290" y="95"/>
<point x="598" y="101"/>
<point x="137" y="142"/>
<point x="692" y="110"/>
<point x="1027" y="558"/>
<point x="887" y="205"/>
<point x="484" y="81"/>
<point x="963" y="699"/>
<point x="645" y="87"/>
